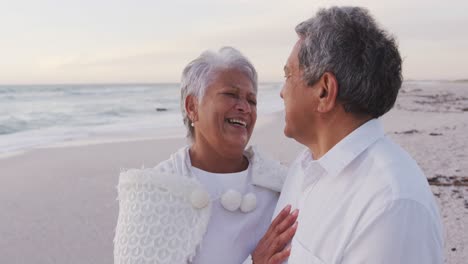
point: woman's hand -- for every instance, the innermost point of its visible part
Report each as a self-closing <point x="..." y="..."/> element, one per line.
<point x="271" y="249"/>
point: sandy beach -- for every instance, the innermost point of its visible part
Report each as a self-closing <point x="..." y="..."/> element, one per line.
<point x="58" y="205"/>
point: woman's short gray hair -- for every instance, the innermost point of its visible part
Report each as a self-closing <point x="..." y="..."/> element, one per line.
<point x="347" y="42"/>
<point x="200" y="72"/>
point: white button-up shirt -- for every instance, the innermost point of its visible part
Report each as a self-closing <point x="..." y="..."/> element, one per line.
<point x="365" y="201"/>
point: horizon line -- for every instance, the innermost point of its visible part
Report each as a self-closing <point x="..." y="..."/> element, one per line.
<point x="152" y="83"/>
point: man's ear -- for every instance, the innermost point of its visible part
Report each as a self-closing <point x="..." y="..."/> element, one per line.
<point x="191" y="107"/>
<point x="327" y="93"/>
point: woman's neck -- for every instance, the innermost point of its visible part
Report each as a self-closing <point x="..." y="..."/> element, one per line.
<point x="209" y="159"/>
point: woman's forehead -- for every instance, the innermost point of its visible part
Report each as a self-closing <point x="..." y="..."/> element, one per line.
<point x="232" y="78"/>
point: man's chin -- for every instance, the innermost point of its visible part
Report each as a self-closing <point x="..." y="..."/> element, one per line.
<point x="287" y="132"/>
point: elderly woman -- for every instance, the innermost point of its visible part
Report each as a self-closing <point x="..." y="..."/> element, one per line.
<point x="211" y="201"/>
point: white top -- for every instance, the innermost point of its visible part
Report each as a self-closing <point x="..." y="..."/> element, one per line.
<point x="165" y="213"/>
<point x="365" y="201"/>
<point x="232" y="236"/>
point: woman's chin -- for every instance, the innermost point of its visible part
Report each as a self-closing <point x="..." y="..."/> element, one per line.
<point x="237" y="141"/>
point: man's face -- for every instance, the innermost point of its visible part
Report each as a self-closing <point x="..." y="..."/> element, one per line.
<point x="299" y="102"/>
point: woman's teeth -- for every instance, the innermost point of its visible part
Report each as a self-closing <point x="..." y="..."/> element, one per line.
<point x="237" y="122"/>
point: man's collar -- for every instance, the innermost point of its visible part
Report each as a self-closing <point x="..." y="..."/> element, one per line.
<point x="345" y="151"/>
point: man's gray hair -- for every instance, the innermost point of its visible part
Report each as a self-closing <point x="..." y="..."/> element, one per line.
<point x="200" y="72"/>
<point x="347" y="42"/>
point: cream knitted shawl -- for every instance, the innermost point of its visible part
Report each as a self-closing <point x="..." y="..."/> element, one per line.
<point x="157" y="222"/>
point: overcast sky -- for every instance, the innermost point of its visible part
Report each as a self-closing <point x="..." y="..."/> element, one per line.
<point x="96" y="41"/>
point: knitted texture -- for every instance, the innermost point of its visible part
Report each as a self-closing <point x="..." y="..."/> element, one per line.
<point x="156" y="219"/>
<point x="268" y="173"/>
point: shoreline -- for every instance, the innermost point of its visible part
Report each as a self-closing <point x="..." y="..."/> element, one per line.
<point x="148" y="135"/>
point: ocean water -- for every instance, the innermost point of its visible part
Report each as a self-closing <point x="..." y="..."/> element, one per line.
<point x="43" y="115"/>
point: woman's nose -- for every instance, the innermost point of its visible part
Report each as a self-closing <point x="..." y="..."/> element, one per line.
<point x="243" y="106"/>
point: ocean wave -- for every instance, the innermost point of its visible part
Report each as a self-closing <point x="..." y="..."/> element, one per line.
<point x="6" y="90"/>
<point x="34" y="114"/>
<point x="12" y="125"/>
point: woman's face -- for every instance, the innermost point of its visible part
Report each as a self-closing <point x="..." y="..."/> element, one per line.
<point x="226" y="115"/>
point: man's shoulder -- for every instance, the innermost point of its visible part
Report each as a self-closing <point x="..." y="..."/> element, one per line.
<point x="386" y="153"/>
<point x="395" y="173"/>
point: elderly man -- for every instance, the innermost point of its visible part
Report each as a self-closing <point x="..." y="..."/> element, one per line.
<point x="361" y="198"/>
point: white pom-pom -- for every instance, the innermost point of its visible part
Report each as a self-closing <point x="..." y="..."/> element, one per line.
<point x="249" y="203"/>
<point x="199" y="198"/>
<point x="231" y="200"/>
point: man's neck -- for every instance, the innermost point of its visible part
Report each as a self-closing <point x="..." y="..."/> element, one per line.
<point x="333" y="132"/>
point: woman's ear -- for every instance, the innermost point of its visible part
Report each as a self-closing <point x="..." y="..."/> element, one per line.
<point x="328" y="92"/>
<point x="191" y="107"/>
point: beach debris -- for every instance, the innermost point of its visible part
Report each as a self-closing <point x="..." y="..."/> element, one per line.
<point x="461" y="182"/>
<point x="454" y="249"/>
<point x="442" y="180"/>
<point x="438" y="180"/>
<point x="435" y="134"/>
<point x="412" y="131"/>
<point x="440" y="102"/>
<point x="161" y="109"/>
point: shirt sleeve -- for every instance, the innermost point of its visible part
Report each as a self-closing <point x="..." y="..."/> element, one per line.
<point x="403" y="232"/>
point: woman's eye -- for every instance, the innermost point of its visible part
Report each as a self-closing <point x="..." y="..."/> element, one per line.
<point x="231" y="94"/>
